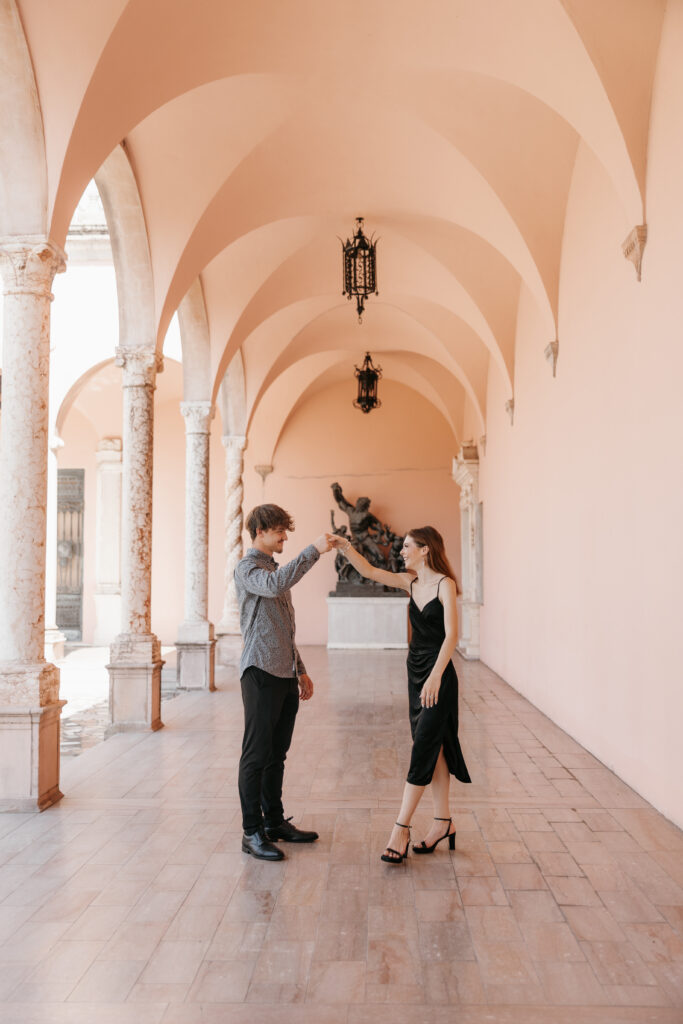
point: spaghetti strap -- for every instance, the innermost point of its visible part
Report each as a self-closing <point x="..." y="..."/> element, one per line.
<point x="439" y="586"/>
<point x="411" y="585"/>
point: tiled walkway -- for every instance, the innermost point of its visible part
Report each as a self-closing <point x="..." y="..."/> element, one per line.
<point x="130" y="901"/>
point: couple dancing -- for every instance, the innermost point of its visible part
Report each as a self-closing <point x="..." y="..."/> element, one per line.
<point x="273" y="678"/>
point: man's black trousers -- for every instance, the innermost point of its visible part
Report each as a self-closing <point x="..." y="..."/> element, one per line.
<point x="270" y="707"/>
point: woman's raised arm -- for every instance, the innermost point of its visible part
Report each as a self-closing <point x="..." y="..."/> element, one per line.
<point x="400" y="580"/>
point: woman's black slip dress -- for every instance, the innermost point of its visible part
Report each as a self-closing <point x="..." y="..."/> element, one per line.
<point x="435" y="727"/>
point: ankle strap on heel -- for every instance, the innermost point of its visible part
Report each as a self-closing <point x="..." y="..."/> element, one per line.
<point x="403" y="826"/>
<point x="443" y="819"/>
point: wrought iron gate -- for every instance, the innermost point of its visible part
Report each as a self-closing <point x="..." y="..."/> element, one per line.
<point x="70" y="552"/>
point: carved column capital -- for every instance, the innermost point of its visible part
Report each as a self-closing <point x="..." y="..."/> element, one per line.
<point x="466" y="474"/>
<point x="510" y="409"/>
<point x="236" y="443"/>
<point x="551" y="353"/>
<point x="140" y="366"/>
<point x="28" y="265"/>
<point x="197" y="416"/>
<point x="633" y="246"/>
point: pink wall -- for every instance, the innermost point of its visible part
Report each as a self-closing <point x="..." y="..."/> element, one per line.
<point x="582" y="496"/>
<point x="399" y="456"/>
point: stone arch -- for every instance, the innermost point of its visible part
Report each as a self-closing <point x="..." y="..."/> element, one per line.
<point x="118" y="190"/>
<point x="195" y="342"/>
<point x="23" y="168"/>
<point x="74" y="391"/>
<point x="232" y="398"/>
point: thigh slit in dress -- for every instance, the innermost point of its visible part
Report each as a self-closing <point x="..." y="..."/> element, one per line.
<point x="435" y="727"/>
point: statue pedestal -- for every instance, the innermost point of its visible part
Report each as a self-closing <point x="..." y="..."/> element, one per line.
<point x="367" y="622"/>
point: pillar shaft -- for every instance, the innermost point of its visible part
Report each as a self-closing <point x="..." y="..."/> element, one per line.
<point x="195" y="644"/>
<point x="29" y="686"/>
<point x="466" y="475"/>
<point x="198" y="416"/>
<point x="135" y="669"/>
<point x="139" y="381"/>
<point x="235" y="445"/>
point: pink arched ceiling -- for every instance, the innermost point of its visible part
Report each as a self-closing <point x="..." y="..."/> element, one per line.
<point x="257" y="132"/>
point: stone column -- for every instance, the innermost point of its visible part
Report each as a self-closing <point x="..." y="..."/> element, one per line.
<point x="229" y="626"/>
<point x="54" y="638"/>
<point x="135" y="656"/>
<point x="196" y="644"/>
<point x="30" y="707"/>
<point x="108" y="540"/>
<point x="466" y="476"/>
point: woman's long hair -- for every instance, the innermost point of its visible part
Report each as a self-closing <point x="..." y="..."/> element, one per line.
<point x="427" y="536"/>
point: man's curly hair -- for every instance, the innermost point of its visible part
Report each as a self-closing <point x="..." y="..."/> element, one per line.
<point x="268" y="517"/>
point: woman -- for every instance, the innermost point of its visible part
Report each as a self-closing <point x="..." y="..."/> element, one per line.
<point x="432" y="683"/>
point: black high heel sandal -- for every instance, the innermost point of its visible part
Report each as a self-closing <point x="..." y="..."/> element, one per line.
<point x="400" y="857"/>
<point x="450" y="836"/>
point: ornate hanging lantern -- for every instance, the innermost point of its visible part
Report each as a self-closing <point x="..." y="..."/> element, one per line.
<point x="360" y="268"/>
<point x="367" y="375"/>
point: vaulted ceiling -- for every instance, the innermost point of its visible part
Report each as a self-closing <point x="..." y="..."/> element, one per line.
<point x="257" y="132"/>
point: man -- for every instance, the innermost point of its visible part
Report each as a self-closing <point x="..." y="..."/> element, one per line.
<point x="273" y="676"/>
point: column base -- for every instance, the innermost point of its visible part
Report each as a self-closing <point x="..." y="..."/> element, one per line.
<point x="134" y="684"/>
<point x="54" y="644"/>
<point x="30" y="712"/>
<point x="468" y="642"/>
<point x="196" y="665"/>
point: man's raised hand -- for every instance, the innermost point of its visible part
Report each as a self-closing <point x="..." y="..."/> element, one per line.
<point x="324" y="543"/>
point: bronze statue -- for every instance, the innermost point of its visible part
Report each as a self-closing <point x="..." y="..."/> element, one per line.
<point x="373" y="539"/>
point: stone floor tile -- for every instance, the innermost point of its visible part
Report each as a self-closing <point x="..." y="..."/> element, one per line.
<point x="493" y="923"/>
<point x="674" y="915"/>
<point x="108" y="981"/>
<point x="337" y="981"/>
<point x="593" y="924"/>
<point x="574" y="892"/>
<point x="97" y="923"/>
<point x="571" y="984"/>
<point x="630" y="906"/>
<point x="636" y="995"/>
<point x="438" y="905"/>
<point x="669" y="977"/>
<point x="221" y="981"/>
<point x="555" y="863"/>
<point x="482" y="892"/>
<point x="174" y="962"/>
<point x="549" y="941"/>
<point x="656" y="943"/>
<point x="507" y="852"/>
<point x="617" y="963"/>
<point x="158" y="993"/>
<point x="521" y="876"/>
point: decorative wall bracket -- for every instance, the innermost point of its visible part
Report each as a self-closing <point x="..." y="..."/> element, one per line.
<point x="482" y="444"/>
<point x="551" y="353"/>
<point x="264" y="471"/>
<point x="510" y="409"/>
<point x="633" y="246"/>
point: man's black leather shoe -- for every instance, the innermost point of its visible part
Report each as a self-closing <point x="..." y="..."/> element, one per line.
<point x="289" y="833"/>
<point x="258" y="846"/>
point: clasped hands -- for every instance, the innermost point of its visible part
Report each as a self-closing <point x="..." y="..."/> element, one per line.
<point x="327" y="541"/>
